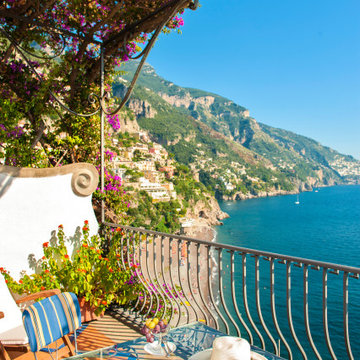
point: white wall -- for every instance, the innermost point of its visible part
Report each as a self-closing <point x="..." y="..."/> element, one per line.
<point x="31" y="210"/>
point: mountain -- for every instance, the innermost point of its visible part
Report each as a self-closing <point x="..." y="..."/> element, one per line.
<point x="227" y="149"/>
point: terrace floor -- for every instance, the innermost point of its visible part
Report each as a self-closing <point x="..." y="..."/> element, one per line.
<point x="111" y="329"/>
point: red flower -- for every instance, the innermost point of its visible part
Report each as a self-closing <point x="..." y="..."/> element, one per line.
<point x="6" y="281"/>
<point x="85" y="228"/>
<point x="43" y="257"/>
<point x="66" y="256"/>
<point x="104" y="302"/>
<point x="45" y="244"/>
<point x="47" y="271"/>
<point x="111" y="270"/>
<point x="1" y="269"/>
<point x="43" y="288"/>
<point x="85" y="245"/>
<point x="106" y="259"/>
<point x="117" y="255"/>
<point x="61" y="226"/>
<point x="100" y="257"/>
<point x="20" y="281"/>
<point x="118" y="229"/>
<point x="86" y="222"/>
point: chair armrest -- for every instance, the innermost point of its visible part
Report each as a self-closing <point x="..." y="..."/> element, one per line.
<point x="40" y="294"/>
<point x="1" y="315"/>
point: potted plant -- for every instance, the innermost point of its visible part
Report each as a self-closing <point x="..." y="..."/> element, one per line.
<point x="94" y="275"/>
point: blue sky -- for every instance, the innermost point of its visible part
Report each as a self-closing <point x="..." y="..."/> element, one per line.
<point x="294" y="64"/>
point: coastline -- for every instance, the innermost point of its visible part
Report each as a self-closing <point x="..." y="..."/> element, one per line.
<point x="240" y="196"/>
<point x="205" y="228"/>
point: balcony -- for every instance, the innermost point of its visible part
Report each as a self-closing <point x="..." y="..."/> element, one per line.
<point x="293" y="307"/>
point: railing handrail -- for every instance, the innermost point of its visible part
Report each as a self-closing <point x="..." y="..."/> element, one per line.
<point x="265" y="254"/>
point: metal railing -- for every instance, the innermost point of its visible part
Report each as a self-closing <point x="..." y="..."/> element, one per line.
<point x="293" y="307"/>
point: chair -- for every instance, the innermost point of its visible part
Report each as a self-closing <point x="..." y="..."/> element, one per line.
<point x="51" y="319"/>
<point x="13" y="336"/>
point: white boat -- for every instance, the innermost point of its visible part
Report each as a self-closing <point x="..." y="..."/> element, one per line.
<point x="297" y="202"/>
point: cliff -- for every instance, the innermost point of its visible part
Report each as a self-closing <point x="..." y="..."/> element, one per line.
<point x="207" y="213"/>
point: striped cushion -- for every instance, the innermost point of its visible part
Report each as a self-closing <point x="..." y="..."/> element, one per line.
<point x="48" y="320"/>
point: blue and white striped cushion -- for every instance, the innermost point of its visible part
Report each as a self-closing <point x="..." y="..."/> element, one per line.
<point x="48" y="320"/>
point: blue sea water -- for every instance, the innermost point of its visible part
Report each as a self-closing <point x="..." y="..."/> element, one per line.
<point x="325" y="226"/>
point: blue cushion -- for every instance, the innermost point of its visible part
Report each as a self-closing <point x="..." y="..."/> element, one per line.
<point x="50" y="319"/>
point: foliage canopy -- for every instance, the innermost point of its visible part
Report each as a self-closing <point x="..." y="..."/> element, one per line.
<point x="67" y="35"/>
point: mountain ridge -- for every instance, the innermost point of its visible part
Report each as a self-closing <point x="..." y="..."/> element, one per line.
<point x="203" y="130"/>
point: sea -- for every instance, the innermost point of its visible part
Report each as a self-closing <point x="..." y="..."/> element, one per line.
<point x="323" y="226"/>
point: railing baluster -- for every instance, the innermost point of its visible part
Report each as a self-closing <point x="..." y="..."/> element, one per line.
<point x="153" y="283"/>
<point x="246" y="306"/>
<point x="273" y="310"/>
<point x="165" y="285"/>
<point x="346" y="314"/>
<point x="126" y="253"/>
<point x="130" y="255"/>
<point x="136" y="251"/>
<point x="258" y="304"/>
<point x="188" y="303"/>
<point x="213" y="303"/>
<point x="288" y="302"/>
<point x="233" y="296"/>
<point x="200" y="284"/>
<point x="306" y="310"/>
<point x="222" y="295"/>
<point x="173" y="285"/>
<point x="157" y="282"/>
<point x="190" y="282"/>
<point x="140" y="274"/>
<point x="182" y="291"/>
<point x="151" y="290"/>
<point x="325" y="315"/>
<point x="122" y="250"/>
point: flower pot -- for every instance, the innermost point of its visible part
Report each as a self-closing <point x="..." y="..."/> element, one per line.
<point x="88" y="311"/>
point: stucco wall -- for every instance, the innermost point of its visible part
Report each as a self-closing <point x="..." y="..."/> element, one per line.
<point x="33" y="202"/>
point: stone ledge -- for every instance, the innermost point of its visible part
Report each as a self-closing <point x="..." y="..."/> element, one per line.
<point x="84" y="180"/>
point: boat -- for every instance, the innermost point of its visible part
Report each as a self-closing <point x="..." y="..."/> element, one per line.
<point x="297" y="202"/>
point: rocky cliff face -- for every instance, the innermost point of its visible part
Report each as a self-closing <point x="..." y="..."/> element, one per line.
<point x="187" y="100"/>
<point x="128" y="125"/>
<point x="207" y="213"/>
<point x="141" y="108"/>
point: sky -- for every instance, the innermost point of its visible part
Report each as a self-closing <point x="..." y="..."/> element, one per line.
<point x="294" y="64"/>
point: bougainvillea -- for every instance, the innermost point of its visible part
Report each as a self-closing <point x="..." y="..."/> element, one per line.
<point x="114" y="121"/>
<point x="68" y="37"/>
